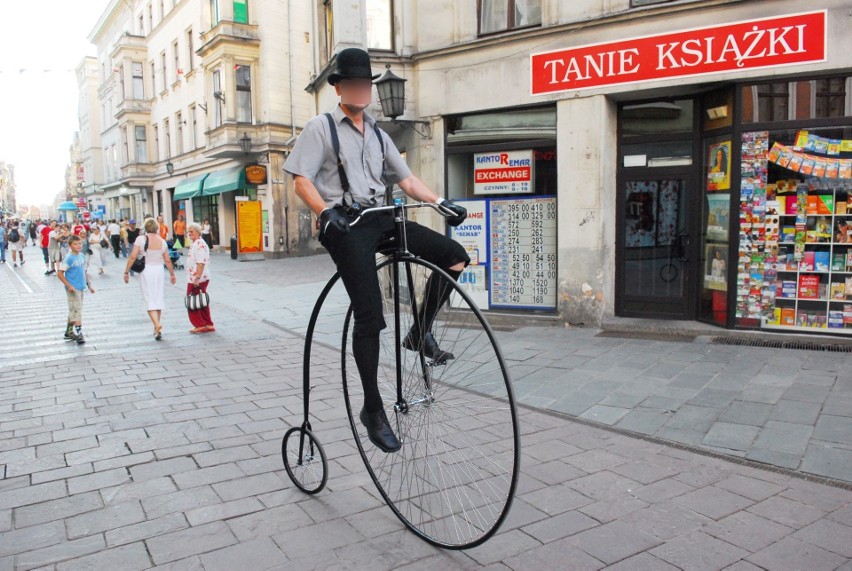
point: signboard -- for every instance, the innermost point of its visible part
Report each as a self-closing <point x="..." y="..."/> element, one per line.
<point x="249" y="229"/>
<point x="523" y="252"/>
<point x="503" y="172"/>
<point x="740" y="46"/>
<point x="256" y="174"/>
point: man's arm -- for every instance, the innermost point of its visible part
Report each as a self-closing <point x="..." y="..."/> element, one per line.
<point x="417" y="189"/>
<point x="309" y="194"/>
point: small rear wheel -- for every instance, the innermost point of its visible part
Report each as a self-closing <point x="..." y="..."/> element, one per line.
<point x="304" y="460"/>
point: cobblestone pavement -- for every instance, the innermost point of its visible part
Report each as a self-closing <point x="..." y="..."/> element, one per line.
<point x="126" y="453"/>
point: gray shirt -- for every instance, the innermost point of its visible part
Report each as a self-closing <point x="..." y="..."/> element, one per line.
<point x="313" y="157"/>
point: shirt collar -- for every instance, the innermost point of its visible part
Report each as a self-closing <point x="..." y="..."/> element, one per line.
<point x="339" y="116"/>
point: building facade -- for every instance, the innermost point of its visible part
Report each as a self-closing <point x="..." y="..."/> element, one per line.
<point x="8" y="202"/>
<point x="635" y="158"/>
<point x="190" y="93"/>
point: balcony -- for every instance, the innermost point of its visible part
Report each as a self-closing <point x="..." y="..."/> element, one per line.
<point x="229" y="38"/>
<point x="133" y="106"/>
<point x="129" y="42"/>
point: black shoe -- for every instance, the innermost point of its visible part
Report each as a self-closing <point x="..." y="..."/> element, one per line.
<point x="70" y="336"/>
<point x="79" y="339"/>
<point x="429" y="347"/>
<point x="379" y="430"/>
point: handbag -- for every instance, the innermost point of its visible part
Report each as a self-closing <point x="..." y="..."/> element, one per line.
<point x="104" y="243"/>
<point x="197" y="299"/>
<point x="139" y="263"/>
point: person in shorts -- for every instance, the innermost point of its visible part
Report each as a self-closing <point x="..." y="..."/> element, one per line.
<point x="72" y="273"/>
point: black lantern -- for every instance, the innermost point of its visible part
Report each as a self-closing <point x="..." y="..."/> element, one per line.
<point x="170" y="168"/>
<point x="391" y="90"/>
<point x="245" y="142"/>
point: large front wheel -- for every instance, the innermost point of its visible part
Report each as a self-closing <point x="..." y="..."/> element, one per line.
<point x="453" y="480"/>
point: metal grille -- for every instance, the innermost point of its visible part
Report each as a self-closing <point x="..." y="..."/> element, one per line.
<point x="786" y="344"/>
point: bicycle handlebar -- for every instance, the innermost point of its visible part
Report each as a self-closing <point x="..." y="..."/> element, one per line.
<point x="446" y="213"/>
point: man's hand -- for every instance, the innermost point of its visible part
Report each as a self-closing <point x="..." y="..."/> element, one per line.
<point x="459" y="212"/>
<point x="332" y="222"/>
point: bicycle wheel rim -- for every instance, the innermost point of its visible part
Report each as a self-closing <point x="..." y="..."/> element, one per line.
<point x="453" y="481"/>
<point x="304" y="460"/>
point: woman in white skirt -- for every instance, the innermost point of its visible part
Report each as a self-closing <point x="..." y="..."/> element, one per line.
<point x="156" y="254"/>
<point x="96" y="259"/>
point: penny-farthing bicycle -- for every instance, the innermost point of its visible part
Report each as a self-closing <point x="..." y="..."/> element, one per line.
<point x="453" y="480"/>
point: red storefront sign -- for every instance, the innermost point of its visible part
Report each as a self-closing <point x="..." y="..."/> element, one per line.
<point x="767" y="42"/>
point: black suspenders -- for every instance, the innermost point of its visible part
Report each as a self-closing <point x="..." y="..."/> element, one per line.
<point x="335" y="142"/>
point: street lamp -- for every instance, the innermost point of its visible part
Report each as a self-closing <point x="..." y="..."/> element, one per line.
<point x="170" y="168"/>
<point x="245" y="143"/>
<point x="391" y="90"/>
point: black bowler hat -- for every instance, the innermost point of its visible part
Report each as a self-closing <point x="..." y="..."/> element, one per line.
<point x="352" y="63"/>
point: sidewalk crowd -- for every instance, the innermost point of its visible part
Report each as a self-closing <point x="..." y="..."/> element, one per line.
<point x="71" y="249"/>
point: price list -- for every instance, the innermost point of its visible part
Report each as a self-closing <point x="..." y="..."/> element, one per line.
<point x="523" y="252"/>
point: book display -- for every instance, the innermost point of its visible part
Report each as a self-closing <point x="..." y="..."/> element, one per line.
<point x="795" y="252"/>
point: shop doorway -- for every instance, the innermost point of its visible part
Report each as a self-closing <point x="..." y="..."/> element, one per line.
<point x="656" y="256"/>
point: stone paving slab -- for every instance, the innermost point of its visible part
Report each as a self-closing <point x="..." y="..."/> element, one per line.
<point x="168" y="456"/>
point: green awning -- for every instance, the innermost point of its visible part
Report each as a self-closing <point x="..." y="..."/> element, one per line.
<point x="226" y="180"/>
<point x="190" y="187"/>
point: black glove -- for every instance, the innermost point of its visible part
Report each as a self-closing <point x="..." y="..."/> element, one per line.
<point x="459" y="212"/>
<point x="333" y="222"/>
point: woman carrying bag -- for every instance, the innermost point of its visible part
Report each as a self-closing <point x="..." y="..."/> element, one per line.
<point x="198" y="277"/>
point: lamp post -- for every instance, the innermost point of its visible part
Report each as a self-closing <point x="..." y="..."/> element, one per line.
<point x="170" y="168"/>
<point x="391" y="90"/>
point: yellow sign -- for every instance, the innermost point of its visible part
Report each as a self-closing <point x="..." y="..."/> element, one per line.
<point x="249" y="229"/>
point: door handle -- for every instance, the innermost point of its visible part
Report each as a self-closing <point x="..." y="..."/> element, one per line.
<point x="682" y="246"/>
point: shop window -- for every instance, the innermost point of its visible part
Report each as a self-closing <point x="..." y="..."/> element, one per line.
<point x="243" y="80"/>
<point x="799" y="100"/>
<point x="830" y="97"/>
<point x="207" y="208"/>
<point x="379" y="25"/>
<point x="141" y="144"/>
<point x="502" y="15"/>
<point x="794" y="258"/>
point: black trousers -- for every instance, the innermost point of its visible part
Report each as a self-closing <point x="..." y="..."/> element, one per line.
<point x="355" y="256"/>
<point x="115" y="240"/>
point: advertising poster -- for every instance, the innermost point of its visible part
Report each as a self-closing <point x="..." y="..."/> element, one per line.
<point x="719" y="166"/>
<point x="503" y="172"/>
<point x="249" y="228"/>
<point x="473" y="233"/>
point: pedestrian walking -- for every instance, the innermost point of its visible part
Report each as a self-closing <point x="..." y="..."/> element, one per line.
<point x="96" y="247"/>
<point x="164" y="230"/>
<point x="349" y="136"/>
<point x="17" y="241"/>
<point x="114" y="234"/>
<point x="198" y="278"/>
<point x="45" y="245"/>
<point x="179" y="228"/>
<point x="3" y="233"/>
<point x="207" y="233"/>
<point x="154" y="251"/>
<point x="33" y="232"/>
<point x="72" y="273"/>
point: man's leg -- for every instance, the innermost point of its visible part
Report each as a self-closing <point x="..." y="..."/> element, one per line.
<point x="452" y="258"/>
<point x="354" y="255"/>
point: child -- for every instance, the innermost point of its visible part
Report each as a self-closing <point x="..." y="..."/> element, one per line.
<point x="72" y="273"/>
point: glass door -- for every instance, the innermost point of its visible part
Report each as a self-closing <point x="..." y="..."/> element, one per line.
<point x="656" y="258"/>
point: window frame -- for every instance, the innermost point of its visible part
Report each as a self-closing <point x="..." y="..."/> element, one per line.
<point x="391" y="33"/>
<point x="138" y="81"/>
<point x="510" y="20"/>
<point x="141" y="145"/>
<point x="156" y="143"/>
<point x="176" y="55"/>
<point x="243" y="89"/>
<point x="218" y="104"/>
<point x="167" y="139"/>
<point x="193" y="114"/>
<point x="190" y="60"/>
<point x="179" y="134"/>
